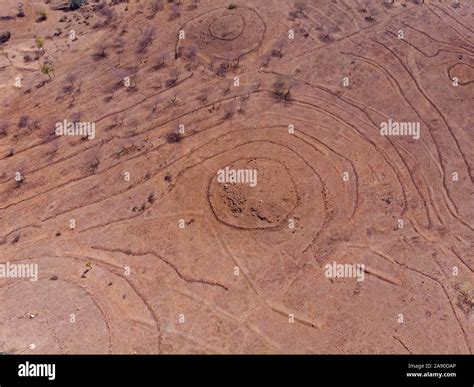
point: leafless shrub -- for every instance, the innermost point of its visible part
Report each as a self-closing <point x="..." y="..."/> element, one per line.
<point x="229" y="112"/>
<point x="324" y="37"/>
<point x="23" y="122"/>
<point x="160" y="62"/>
<point x="222" y="70"/>
<point x="300" y="7"/>
<point x="155" y="7"/>
<point x="281" y="90"/>
<point x="92" y="164"/>
<point x="175" y="11"/>
<point x="173" y="137"/>
<point x="118" y="43"/>
<point x="277" y="50"/>
<point x="3" y="129"/>
<point x="266" y="60"/>
<point x="173" y="101"/>
<point x="42" y="83"/>
<point x="227" y="89"/>
<point x="145" y="40"/>
<point x="107" y="12"/>
<point x="189" y="53"/>
<point x="67" y="89"/>
<point x="75" y="117"/>
<point x="202" y="98"/>
<point x="170" y="82"/>
<point x="100" y="52"/>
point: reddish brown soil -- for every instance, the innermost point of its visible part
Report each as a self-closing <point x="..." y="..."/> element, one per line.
<point x="162" y="257"/>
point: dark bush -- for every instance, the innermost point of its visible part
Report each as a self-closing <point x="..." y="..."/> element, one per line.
<point x="75" y="4"/>
<point x="173" y="137"/>
<point x="23" y="122"/>
<point x="145" y="40"/>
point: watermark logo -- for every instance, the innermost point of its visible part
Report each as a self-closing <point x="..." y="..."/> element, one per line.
<point x="346" y="270"/>
<point x="28" y="369"/>
<point x="19" y="270"/>
<point x="395" y="128"/>
<point x="70" y="128"/>
<point x="242" y="176"/>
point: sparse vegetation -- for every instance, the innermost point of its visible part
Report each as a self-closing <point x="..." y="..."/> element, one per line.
<point x="222" y="70"/>
<point x="100" y="52"/>
<point x="175" y="11"/>
<point x="465" y="297"/>
<point x="75" y="4"/>
<point x="173" y="137"/>
<point x="245" y="186"/>
<point x="299" y="10"/>
<point x="3" y="129"/>
<point x="170" y="82"/>
<point x="21" y="11"/>
<point x="155" y="7"/>
<point x="229" y="112"/>
<point x="6" y="56"/>
<point x="39" y="43"/>
<point x="145" y="40"/>
<point x="68" y="88"/>
<point x="47" y="69"/>
<point x="266" y="60"/>
<point x="23" y="122"/>
<point x="325" y="35"/>
<point x="227" y="89"/>
<point x="281" y="91"/>
<point x="189" y="52"/>
<point x="41" y="15"/>
<point x="277" y="50"/>
<point x="202" y="98"/>
<point x="160" y="62"/>
<point x="107" y="12"/>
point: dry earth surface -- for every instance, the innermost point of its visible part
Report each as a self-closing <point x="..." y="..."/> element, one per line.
<point x="140" y="248"/>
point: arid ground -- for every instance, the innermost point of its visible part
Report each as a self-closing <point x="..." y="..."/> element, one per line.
<point x="140" y="248"/>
